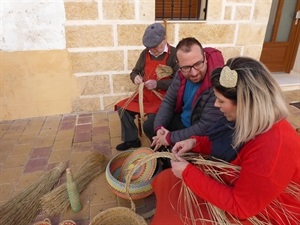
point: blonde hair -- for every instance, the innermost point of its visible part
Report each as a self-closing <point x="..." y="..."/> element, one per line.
<point x="259" y="99"/>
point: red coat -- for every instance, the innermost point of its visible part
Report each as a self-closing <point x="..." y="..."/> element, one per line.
<point x="269" y="163"/>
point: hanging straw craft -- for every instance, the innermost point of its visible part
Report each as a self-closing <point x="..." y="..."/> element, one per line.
<point x="57" y="201"/>
<point x="216" y="169"/>
<point x="24" y="207"/>
<point x="117" y="170"/>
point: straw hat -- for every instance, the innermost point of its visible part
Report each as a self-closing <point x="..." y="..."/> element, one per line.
<point x="118" y="216"/>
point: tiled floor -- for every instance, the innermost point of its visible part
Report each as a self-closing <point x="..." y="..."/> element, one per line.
<point x="29" y="146"/>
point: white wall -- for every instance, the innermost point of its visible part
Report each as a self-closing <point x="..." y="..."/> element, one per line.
<point x="296" y="68"/>
<point x="32" y="25"/>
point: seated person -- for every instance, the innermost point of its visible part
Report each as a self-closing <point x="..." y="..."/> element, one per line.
<point x="188" y="107"/>
<point x="157" y="54"/>
<point x="266" y="189"/>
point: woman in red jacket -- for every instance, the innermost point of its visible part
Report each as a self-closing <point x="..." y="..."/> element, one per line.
<point x="258" y="139"/>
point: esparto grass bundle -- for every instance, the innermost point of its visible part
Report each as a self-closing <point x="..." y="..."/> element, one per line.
<point x="188" y="206"/>
<point x="57" y="201"/>
<point x="24" y="207"/>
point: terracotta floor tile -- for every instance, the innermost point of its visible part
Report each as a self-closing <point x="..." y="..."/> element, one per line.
<point x="59" y="156"/>
<point x="16" y="161"/>
<point x="15" y="129"/>
<point x="51" y="124"/>
<point x="27" y="138"/>
<point x="11" y="137"/>
<point x="62" y="144"/>
<point x="6" y="191"/>
<point x="83" y="128"/>
<point x="44" y="141"/>
<point x="64" y="134"/>
<point x="39" y="164"/>
<point x="22" y="149"/>
<point x="82" y="146"/>
<point x="42" y="152"/>
<point x="82" y="137"/>
<point x="84" y="120"/>
<point x="68" y="125"/>
<point x="26" y="180"/>
<point x="10" y="175"/>
<point x="99" y="122"/>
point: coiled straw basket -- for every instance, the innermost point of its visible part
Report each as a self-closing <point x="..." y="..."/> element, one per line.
<point x="118" y="216"/>
<point x="122" y="215"/>
<point x="118" y="167"/>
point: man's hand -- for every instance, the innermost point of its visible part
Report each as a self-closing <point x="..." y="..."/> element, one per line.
<point x="138" y="79"/>
<point x="151" y="84"/>
<point x="160" y="139"/>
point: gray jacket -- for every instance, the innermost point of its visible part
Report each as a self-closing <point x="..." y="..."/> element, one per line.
<point x="203" y="115"/>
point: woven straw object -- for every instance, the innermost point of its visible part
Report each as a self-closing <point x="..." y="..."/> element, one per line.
<point x="46" y="221"/>
<point x="118" y="216"/>
<point x="117" y="170"/>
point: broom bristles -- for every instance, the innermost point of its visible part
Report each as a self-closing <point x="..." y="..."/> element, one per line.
<point x="24" y="207"/>
<point x="57" y="201"/>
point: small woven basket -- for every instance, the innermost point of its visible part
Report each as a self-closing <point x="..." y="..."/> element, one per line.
<point x="46" y="221"/>
<point x="118" y="216"/>
<point x="116" y="172"/>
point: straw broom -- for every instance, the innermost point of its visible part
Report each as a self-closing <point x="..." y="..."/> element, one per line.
<point x="24" y="207"/>
<point x="215" y="169"/>
<point x="57" y="201"/>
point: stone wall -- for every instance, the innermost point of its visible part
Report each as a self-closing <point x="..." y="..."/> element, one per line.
<point x="102" y="44"/>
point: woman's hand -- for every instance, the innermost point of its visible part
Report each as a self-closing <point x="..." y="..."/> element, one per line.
<point x="179" y="166"/>
<point x="183" y="146"/>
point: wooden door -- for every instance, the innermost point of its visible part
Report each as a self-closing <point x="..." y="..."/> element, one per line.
<point x="282" y="36"/>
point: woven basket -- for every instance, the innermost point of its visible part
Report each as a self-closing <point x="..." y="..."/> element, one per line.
<point x="116" y="172"/>
<point x="46" y="221"/>
<point x="118" y="216"/>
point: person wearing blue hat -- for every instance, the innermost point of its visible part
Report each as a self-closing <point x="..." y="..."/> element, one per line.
<point x="154" y="68"/>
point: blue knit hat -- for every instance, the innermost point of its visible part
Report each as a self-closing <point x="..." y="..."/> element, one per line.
<point x="154" y="34"/>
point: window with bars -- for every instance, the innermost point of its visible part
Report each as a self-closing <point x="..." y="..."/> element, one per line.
<point x="180" y="9"/>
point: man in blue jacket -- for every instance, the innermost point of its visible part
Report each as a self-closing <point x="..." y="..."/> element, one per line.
<point x="188" y="106"/>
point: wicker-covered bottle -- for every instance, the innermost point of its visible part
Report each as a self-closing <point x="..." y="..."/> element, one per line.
<point x="73" y="193"/>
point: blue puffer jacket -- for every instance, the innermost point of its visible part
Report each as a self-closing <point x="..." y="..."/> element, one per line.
<point x="204" y="113"/>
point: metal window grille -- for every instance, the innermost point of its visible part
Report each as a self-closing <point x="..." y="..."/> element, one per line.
<point x="181" y="9"/>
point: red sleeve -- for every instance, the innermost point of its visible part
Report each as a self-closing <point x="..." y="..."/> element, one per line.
<point x="267" y="166"/>
<point x="203" y="145"/>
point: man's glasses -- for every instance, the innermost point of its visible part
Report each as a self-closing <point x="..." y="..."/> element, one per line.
<point x="197" y="66"/>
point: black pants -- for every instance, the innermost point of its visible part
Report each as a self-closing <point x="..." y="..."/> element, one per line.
<point x="129" y="130"/>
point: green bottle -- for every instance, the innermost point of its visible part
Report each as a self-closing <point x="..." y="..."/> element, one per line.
<point x="73" y="193"/>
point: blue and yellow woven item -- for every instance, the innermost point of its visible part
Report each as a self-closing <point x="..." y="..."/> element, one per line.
<point x="118" y="166"/>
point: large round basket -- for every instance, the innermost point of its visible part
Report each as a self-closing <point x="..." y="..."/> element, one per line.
<point x="139" y="186"/>
<point x="118" y="216"/>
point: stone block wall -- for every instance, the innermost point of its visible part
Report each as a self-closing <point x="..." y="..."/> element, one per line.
<point x="103" y="42"/>
<point x="104" y="48"/>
